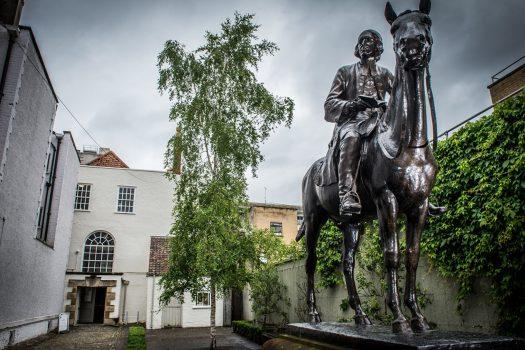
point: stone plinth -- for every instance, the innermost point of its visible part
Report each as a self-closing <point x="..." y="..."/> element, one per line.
<point x="344" y="335"/>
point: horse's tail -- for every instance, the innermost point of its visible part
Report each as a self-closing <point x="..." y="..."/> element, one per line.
<point x="301" y="232"/>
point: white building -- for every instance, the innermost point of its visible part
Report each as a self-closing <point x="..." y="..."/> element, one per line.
<point x="38" y="175"/>
<point x="117" y="211"/>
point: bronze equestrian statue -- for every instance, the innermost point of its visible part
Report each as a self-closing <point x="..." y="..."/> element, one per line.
<point x="396" y="172"/>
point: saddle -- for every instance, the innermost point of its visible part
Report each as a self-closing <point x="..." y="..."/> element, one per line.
<point x="326" y="174"/>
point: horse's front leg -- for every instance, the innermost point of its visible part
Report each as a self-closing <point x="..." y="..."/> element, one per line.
<point x="313" y="227"/>
<point x="387" y="211"/>
<point x="415" y="223"/>
<point x="352" y="234"/>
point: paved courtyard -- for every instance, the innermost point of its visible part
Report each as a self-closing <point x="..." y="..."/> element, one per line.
<point x="84" y="337"/>
<point x="196" y="339"/>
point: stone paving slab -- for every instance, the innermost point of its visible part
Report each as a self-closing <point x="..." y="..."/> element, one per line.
<point x="84" y="337"/>
<point x="196" y="339"/>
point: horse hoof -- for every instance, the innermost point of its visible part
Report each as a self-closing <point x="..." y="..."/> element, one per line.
<point x="362" y="320"/>
<point x="419" y="325"/>
<point x="401" y="326"/>
<point x="315" y="318"/>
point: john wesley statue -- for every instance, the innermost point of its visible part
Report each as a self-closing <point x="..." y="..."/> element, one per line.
<point x="355" y="103"/>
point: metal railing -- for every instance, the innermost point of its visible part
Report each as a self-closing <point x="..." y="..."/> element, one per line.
<point x="495" y="76"/>
<point x="447" y="132"/>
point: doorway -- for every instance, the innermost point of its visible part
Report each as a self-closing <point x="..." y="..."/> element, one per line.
<point x="92" y="304"/>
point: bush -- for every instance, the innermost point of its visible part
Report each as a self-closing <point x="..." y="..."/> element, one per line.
<point x="136" y="338"/>
<point x="249" y="330"/>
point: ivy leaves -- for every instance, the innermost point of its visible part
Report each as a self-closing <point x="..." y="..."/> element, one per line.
<point x="482" y="182"/>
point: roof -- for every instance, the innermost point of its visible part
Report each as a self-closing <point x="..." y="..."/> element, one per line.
<point x="108" y="159"/>
<point x="159" y="252"/>
<point x="275" y="205"/>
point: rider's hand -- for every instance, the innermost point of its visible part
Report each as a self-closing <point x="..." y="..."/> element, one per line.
<point x="359" y="105"/>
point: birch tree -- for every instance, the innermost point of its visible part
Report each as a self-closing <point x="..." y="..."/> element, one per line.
<point x="223" y="114"/>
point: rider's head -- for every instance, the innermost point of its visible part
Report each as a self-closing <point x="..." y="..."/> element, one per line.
<point x="369" y="45"/>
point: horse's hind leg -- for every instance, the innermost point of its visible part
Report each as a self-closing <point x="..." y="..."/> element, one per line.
<point x="313" y="223"/>
<point x="352" y="234"/>
<point x="415" y="223"/>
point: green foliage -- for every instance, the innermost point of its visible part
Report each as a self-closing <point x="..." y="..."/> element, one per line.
<point x="329" y="256"/>
<point x="136" y="338"/>
<point x="267" y="294"/>
<point x="249" y="330"/>
<point x="267" y="291"/>
<point x="222" y="115"/>
<point x="482" y="182"/>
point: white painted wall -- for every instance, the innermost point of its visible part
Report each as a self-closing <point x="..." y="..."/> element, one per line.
<point x="152" y="217"/>
<point x="192" y="315"/>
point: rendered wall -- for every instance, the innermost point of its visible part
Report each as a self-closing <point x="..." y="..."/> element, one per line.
<point x="32" y="272"/>
<point x="478" y="312"/>
<point x="131" y="232"/>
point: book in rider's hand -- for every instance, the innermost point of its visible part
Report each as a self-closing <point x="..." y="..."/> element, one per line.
<point x="371" y="101"/>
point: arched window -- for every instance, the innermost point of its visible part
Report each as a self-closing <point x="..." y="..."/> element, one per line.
<point x="98" y="252"/>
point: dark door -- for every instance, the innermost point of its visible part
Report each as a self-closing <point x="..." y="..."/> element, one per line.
<point x="100" y="305"/>
<point x="86" y="299"/>
<point x="236" y="305"/>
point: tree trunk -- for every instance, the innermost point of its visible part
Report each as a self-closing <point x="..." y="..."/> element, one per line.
<point x="213" y="342"/>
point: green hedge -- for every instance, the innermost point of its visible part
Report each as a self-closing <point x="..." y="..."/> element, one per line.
<point x="249" y="330"/>
<point x="136" y="338"/>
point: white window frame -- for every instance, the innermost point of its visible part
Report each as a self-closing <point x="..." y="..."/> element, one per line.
<point x="197" y="305"/>
<point x="132" y="200"/>
<point x="110" y="250"/>
<point x="87" y="198"/>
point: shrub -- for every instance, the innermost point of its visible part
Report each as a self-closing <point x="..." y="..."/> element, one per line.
<point x="249" y="330"/>
<point x="136" y="338"/>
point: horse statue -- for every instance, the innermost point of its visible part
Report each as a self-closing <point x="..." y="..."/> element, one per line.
<point x="396" y="175"/>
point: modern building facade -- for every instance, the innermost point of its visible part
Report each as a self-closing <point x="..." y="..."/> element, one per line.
<point x="38" y="175"/>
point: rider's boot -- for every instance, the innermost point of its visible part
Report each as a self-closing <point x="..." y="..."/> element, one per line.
<point x="347" y="169"/>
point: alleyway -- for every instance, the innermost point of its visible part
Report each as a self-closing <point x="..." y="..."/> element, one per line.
<point x="196" y="339"/>
<point x="85" y="337"/>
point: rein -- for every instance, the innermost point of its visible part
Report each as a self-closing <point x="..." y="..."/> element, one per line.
<point x="432" y="108"/>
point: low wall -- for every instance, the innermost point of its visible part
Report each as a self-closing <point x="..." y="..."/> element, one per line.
<point x="478" y="313"/>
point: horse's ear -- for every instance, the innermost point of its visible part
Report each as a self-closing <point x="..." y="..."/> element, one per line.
<point x="390" y="14"/>
<point x="424" y="6"/>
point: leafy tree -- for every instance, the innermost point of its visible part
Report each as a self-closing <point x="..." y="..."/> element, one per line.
<point x="482" y="181"/>
<point x="223" y="114"/>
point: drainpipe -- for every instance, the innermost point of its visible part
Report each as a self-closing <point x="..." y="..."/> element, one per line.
<point x="13" y="34"/>
<point x="124" y="292"/>
<point x="152" y="302"/>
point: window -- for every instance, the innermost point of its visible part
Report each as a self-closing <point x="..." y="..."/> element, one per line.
<point x="98" y="252"/>
<point x="44" y="211"/>
<point x="126" y="198"/>
<point x="82" y="196"/>
<point x="277" y="228"/>
<point x="300" y="218"/>
<point x="203" y="299"/>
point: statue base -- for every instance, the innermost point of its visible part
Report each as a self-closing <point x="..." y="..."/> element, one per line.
<point x="328" y="335"/>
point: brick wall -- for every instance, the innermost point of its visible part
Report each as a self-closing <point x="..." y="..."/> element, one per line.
<point x="507" y="85"/>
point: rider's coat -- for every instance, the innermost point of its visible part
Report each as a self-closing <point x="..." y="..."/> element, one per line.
<point x="350" y="82"/>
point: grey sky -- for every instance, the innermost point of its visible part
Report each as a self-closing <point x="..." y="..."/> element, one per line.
<point x="101" y="57"/>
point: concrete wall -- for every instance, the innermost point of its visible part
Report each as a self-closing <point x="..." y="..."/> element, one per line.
<point x="478" y="311"/>
<point x="131" y="232"/>
<point x="32" y="272"/>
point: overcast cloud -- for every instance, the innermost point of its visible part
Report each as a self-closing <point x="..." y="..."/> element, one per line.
<point x="101" y="57"/>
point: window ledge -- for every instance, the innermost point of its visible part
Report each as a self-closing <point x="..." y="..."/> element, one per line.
<point x="121" y="212"/>
<point x="201" y="307"/>
<point x="49" y="245"/>
<point x="83" y="211"/>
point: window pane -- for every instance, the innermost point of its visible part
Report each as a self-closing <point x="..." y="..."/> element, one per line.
<point x="98" y="253"/>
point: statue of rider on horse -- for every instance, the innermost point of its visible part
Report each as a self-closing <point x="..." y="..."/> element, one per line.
<point x="379" y="164"/>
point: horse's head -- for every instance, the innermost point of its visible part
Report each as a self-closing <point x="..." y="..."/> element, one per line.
<point x="411" y="32"/>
